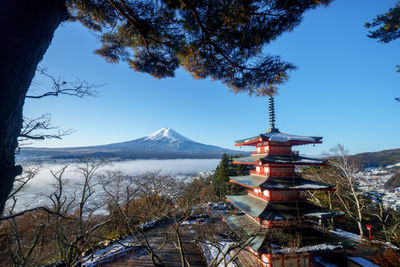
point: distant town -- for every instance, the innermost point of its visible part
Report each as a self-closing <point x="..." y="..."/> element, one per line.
<point x="373" y="180"/>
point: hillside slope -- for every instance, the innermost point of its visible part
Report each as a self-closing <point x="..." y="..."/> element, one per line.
<point x="377" y="159"/>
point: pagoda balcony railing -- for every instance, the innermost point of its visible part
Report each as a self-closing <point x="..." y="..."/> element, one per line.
<point x="259" y="195"/>
<point x="257" y="172"/>
<point x="296" y="153"/>
<point x="284" y="174"/>
<point x="275" y="174"/>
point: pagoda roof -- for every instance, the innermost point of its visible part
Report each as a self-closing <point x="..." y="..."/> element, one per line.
<point x="276" y="136"/>
<point x="279" y="159"/>
<point x="277" y="240"/>
<point x="280" y="183"/>
<point x="280" y="210"/>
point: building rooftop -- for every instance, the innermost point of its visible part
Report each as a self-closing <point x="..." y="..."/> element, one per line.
<point x="279" y="183"/>
<point x="285" y="210"/>
<point x="276" y="136"/>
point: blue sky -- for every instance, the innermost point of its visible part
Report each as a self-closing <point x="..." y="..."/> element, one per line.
<point x="343" y="90"/>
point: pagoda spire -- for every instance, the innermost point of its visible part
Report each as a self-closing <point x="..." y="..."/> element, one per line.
<point x="272" y="115"/>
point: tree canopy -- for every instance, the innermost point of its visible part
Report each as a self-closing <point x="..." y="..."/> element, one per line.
<point x="386" y="27"/>
<point x="224" y="40"/>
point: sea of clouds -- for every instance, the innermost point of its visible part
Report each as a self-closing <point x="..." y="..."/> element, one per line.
<point x="38" y="189"/>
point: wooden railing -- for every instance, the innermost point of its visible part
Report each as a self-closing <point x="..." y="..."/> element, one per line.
<point x="296" y="153"/>
<point x="257" y="173"/>
<point x="275" y="174"/>
<point x="259" y="195"/>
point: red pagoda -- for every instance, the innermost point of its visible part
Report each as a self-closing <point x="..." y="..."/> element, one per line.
<point x="279" y="222"/>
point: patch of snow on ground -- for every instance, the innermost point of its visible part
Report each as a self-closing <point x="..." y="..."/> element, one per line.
<point x="211" y="252"/>
<point x="313" y="186"/>
<point x="150" y="224"/>
<point x="308" y="248"/>
<point x="391" y="166"/>
<point x="104" y="255"/>
<point x="357" y="238"/>
<point x="346" y="234"/>
<point x="317" y="214"/>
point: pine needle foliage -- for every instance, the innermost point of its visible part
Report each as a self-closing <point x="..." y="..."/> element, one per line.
<point x="386" y="27"/>
<point x="219" y="39"/>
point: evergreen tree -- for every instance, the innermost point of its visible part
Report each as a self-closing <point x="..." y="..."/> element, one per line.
<point x="221" y="176"/>
<point x="226" y="168"/>
<point x="386" y="28"/>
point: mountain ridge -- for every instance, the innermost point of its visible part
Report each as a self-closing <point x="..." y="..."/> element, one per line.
<point x="162" y="144"/>
<point x="381" y="158"/>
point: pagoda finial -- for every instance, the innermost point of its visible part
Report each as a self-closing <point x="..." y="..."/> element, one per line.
<point x="272" y="114"/>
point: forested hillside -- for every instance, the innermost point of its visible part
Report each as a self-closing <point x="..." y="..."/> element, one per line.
<point x="377" y="159"/>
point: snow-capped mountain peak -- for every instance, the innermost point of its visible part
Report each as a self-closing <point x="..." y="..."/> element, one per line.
<point x="166" y="134"/>
<point x="162" y="144"/>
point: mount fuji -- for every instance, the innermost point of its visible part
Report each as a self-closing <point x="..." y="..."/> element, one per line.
<point x="162" y="144"/>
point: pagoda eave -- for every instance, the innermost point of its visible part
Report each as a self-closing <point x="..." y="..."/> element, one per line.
<point x="280" y="183"/>
<point x="288" y="143"/>
<point x="284" y="210"/>
<point x="278" y="160"/>
<point x="280" y="164"/>
<point x="278" y="137"/>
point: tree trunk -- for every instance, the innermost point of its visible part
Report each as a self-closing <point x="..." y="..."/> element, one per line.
<point x="26" y="28"/>
<point x="358" y="206"/>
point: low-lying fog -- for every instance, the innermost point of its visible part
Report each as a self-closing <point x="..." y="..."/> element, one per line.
<point x="36" y="192"/>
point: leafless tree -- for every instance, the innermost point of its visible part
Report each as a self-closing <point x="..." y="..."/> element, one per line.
<point x="158" y="193"/>
<point x="19" y="245"/>
<point x="388" y="219"/>
<point x="328" y="199"/>
<point x="136" y="200"/>
<point x="227" y="244"/>
<point x="183" y="209"/>
<point x="89" y="169"/>
<point x="61" y="203"/>
<point x="23" y="230"/>
<point x="75" y="230"/>
<point x="347" y="181"/>
<point x="22" y="180"/>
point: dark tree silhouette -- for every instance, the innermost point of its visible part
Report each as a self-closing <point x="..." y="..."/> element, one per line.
<point x="224" y="40"/>
<point x="27" y="28"/>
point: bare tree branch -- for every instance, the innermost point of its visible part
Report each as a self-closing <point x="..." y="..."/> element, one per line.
<point x="76" y="88"/>
<point x="30" y="210"/>
<point x="20" y="181"/>
<point x="37" y="129"/>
